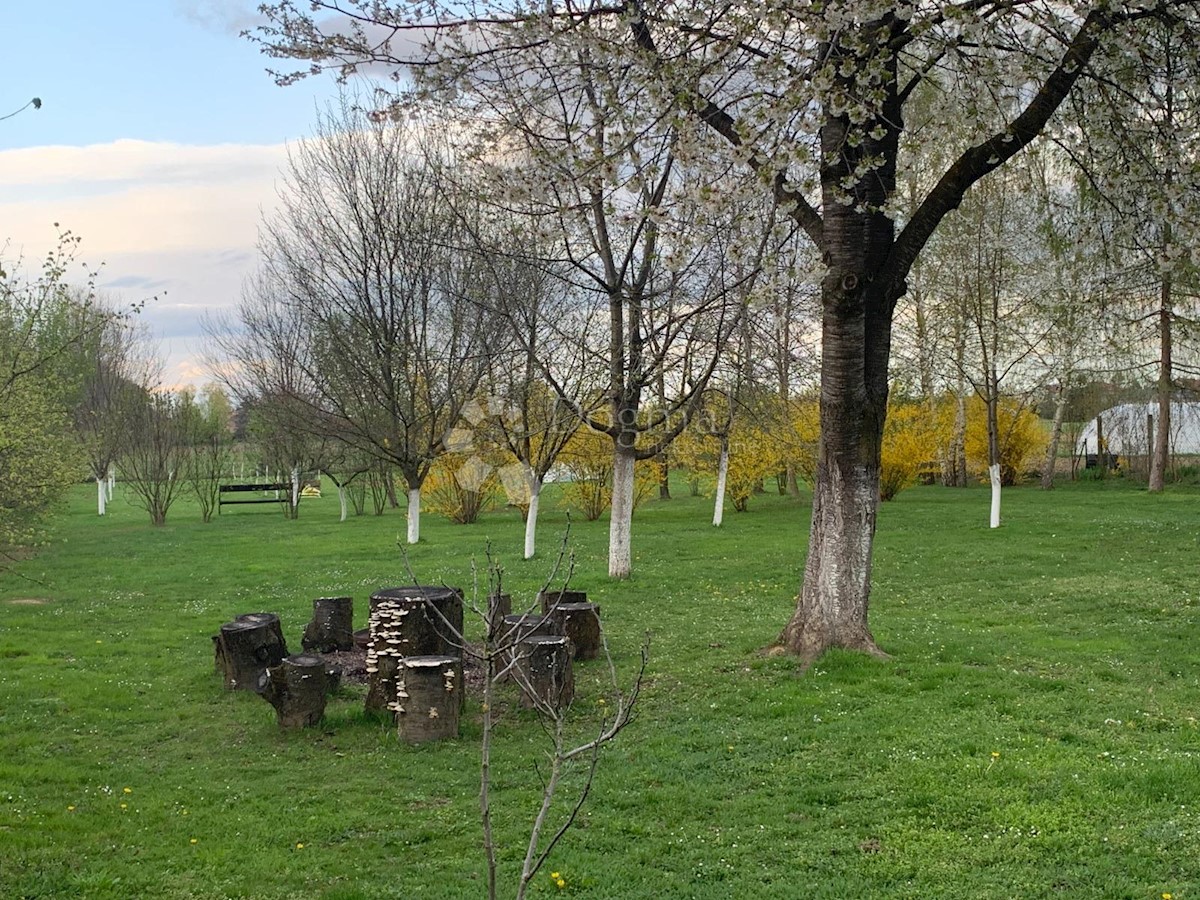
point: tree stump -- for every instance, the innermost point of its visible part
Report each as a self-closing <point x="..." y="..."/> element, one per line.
<point x="332" y="625"/>
<point x="544" y="672"/>
<point x="297" y="688"/>
<point x="407" y="622"/>
<point x="549" y="598"/>
<point x="514" y="629"/>
<point x="429" y="696"/>
<point x="581" y="623"/>
<point x="246" y="647"/>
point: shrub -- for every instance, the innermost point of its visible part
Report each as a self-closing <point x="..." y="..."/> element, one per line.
<point x="460" y="487"/>
<point x="1022" y="439"/>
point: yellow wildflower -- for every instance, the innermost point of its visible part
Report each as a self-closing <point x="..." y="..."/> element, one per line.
<point x="299" y="846"/>
<point x="194" y="841"/>
<point x="70" y="809"/>
<point x="127" y="790"/>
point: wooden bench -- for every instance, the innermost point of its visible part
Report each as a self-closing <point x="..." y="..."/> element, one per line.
<point x="252" y="488"/>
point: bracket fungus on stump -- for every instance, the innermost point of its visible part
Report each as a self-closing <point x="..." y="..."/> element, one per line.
<point x="429" y="696"/>
<point x="409" y="621"/>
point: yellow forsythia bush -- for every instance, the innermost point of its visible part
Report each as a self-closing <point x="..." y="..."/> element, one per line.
<point x="460" y="487"/>
<point x="910" y="439"/>
<point x="1021" y="437"/>
<point x="588" y="456"/>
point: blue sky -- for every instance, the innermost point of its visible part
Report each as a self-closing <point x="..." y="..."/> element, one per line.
<point x="159" y="143"/>
<point x="157" y="70"/>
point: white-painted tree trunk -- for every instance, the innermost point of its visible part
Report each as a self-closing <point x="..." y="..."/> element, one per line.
<point x="112" y="480"/>
<point x="832" y="611"/>
<point x="621" y="523"/>
<point x="722" y="472"/>
<point x="535" y="493"/>
<point x="994" y="472"/>
<point x="295" y="489"/>
<point x="414" y="515"/>
<point x="101" y="495"/>
<point x="342" y="502"/>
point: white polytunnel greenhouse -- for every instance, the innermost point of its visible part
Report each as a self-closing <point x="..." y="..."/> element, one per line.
<point x="1127" y="429"/>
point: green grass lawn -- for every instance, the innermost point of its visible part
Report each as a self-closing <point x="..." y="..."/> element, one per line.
<point x="1034" y="735"/>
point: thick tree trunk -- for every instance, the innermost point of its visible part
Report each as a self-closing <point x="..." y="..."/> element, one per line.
<point x="535" y="493"/>
<point x="101" y="495"/>
<point x="332" y="625"/>
<point x="722" y="473"/>
<point x="342" y="506"/>
<point x="247" y="647"/>
<point x="297" y="688"/>
<point x="514" y="629"/>
<point x="832" y="611"/>
<point x="409" y="621"/>
<point x="856" y="330"/>
<point x="549" y="600"/>
<point x="544" y="672"/>
<point x="581" y="623"/>
<point x="429" y="698"/>
<point x="414" y="515"/>
<point x="620" y="524"/>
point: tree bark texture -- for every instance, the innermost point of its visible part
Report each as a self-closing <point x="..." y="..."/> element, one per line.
<point x="544" y="671"/>
<point x="581" y="623"/>
<point x="549" y="599"/>
<point x="429" y="698"/>
<point x="516" y="628"/>
<point x="332" y="625"/>
<point x="409" y="621"/>
<point x="531" y="517"/>
<point x="297" y="688"/>
<point x="722" y="472"/>
<point x="414" y="515"/>
<point x="247" y="647"/>
<point x="994" y="477"/>
<point x="621" y="522"/>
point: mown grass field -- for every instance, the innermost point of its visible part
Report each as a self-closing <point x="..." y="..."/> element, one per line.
<point x="1034" y="735"/>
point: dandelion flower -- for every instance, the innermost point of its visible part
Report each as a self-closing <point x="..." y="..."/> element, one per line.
<point x="71" y="808"/>
<point x="561" y="884"/>
<point x="127" y="790"/>
<point x="194" y="841"/>
<point x="299" y="846"/>
<point x="124" y="806"/>
<point x="1167" y="896"/>
<point x="555" y="876"/>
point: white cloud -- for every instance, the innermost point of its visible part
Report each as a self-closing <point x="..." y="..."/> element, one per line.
<point x="174" y="221"/>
